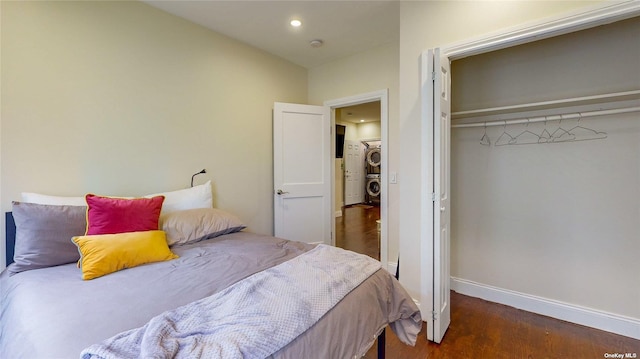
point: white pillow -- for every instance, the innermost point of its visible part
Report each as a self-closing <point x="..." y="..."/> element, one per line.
<point x="189" y="198"/>
<point x="37" y="198"/>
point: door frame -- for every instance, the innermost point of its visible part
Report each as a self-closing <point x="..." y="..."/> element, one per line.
<point x="383" y="97"/>
<point x="574" y="21"/>
<point x="577" y="20"/>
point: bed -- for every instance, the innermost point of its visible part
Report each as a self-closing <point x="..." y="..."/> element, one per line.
<point x="50" y="311"/>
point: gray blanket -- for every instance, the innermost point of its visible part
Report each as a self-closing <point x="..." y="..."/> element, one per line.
<point x="252" y="318"/>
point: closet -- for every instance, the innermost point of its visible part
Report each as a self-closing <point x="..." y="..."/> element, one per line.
<point x="545" y="168"/>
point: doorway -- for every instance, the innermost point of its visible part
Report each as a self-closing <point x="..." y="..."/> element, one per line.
<point x="357" y="177"/>
<point x="368" y="220"/>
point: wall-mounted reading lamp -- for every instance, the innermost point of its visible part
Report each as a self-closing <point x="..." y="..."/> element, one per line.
<point x="195" y="174"/>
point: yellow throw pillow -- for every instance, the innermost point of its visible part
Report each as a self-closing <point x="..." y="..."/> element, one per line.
<point x="102" y="254"/>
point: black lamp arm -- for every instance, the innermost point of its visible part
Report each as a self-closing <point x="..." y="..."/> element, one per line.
<point x="195" y="174"/>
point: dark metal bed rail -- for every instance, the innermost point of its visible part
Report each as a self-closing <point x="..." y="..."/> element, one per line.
<point x="382" y="337"/>
<point x="10" y="237"/>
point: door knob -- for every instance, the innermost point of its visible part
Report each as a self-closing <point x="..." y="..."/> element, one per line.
<point x="281" y="192"/>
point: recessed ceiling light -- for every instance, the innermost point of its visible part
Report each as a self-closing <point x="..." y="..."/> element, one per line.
<point x="296" y="23"/>
<point x="361" y="120"/>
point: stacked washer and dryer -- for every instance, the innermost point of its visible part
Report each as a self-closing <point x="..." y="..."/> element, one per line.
<point x="373" y="158"/>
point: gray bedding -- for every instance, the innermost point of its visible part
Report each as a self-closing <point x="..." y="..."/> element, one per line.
<point x="53" y="313"/>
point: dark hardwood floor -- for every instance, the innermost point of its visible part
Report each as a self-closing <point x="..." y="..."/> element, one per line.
<point x="356" y="229"/>
<point x="481" y="329"/>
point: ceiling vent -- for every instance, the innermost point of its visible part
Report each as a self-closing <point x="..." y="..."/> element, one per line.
<point x="316" y="43"/>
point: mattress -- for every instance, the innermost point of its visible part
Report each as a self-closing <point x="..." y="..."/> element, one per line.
<point x="52" y="313"/>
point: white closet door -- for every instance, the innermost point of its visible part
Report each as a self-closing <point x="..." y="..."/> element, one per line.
<point x="437" y="92"/>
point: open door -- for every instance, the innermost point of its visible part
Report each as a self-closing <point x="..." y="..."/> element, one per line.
<point x="302" y="173"/>
<point x="437" y="129"/>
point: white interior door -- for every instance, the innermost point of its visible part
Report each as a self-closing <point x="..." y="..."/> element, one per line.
<point x="302" y="172"/>
<point x="353" y="173"/>
<point x="437" y="114"/>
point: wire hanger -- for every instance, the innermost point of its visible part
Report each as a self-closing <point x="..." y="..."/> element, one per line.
<point x="485" y="140"/>
<point x="586" y="133"/>
<point x="505" y="138"/>
<point x="545" y="136"/>
<point x="562" y="135"/>
<point x="526" y="137"/>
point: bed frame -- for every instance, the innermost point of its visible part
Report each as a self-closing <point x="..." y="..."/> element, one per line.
<point x="10" y="226"/>
<point x="10" y="242"/>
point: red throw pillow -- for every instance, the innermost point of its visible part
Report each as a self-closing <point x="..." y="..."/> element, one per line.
<point x="107" y="215"/>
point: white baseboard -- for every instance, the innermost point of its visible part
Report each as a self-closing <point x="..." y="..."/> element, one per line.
<point x="339" y="213"/>
<point x="619" y="324"/>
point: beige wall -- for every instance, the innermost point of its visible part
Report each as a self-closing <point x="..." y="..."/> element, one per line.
<point x="425" y="25"/>
<point x="369" y="131"/>
<point x="351" y="131"/>
<point x="120" y="98"/>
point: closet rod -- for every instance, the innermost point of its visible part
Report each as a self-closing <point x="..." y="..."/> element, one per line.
<point x="609" y="97"/>
<point x="568" y="116"/>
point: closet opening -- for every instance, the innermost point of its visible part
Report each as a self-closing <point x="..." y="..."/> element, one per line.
<point x="545" y="175"/>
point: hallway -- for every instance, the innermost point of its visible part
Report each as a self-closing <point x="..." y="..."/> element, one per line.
<point x="357" y="230"/>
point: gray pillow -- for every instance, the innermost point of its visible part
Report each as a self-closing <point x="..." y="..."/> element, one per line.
<point x="194" y="225"/>
<point x="43" y="235"/>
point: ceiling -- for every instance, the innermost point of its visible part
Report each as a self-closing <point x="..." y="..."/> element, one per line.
<point x="345" y="27"/>
<point x="366" y="112"/>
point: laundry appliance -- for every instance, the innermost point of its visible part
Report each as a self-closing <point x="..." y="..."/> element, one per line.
<point x="373" y="188"/>
<point x="373" y="158"/>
